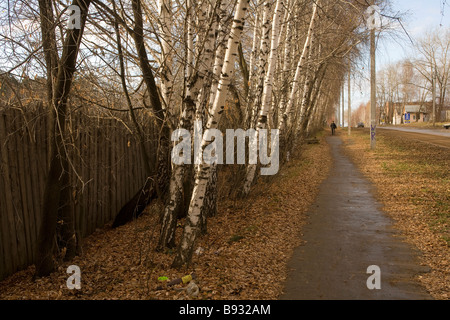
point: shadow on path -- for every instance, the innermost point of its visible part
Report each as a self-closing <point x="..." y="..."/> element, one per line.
<point x="347" y="232"/>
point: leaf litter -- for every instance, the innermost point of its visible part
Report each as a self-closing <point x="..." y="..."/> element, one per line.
<point x="412" y="181"/>
<point x="244" y="255"/>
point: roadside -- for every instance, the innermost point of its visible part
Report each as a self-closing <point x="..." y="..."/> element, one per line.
<point x="347" y="233"/>
<point x="436" y="133"/>
<point x="243" y="256"/>
<point x="412" y="180"/>
<point x="423" y="125"/>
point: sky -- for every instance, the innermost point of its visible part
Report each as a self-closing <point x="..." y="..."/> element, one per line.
<point x="418" y="17"/>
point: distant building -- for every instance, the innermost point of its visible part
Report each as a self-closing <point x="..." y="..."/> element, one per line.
<point x="416" y="113"/>
<point x="445" y="116"/>
<point x="400" y="113"/>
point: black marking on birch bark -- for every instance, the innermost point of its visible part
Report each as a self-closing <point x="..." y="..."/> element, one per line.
<point x="263" y="119"/>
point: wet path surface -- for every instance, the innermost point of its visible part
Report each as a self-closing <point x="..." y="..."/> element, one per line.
<point x="347" y="232"/>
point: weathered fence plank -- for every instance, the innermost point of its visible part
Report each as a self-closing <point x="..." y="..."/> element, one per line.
<point x="103" y="153"/>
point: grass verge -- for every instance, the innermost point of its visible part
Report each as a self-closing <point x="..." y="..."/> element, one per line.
<point x="413" y="183"/>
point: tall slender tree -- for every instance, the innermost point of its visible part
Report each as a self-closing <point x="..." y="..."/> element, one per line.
<point x="203" y="170"/>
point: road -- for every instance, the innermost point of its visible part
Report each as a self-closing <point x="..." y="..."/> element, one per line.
<point x="348" y="232"/>
<point x="437" y="131"/>
<point x="438" y="137"/>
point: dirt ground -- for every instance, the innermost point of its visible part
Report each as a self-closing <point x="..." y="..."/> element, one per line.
<point x="412" y="179"/>
<point x="243" y="256"/>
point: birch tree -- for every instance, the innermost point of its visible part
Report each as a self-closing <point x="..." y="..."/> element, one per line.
<point x="298" y="71"/>
<point x="201" y="85"/>
<point x="203" y="170"/>
<point x="267" y="88"/>
<point x="264" y="49"/>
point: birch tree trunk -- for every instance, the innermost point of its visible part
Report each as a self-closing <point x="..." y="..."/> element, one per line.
<point x="191" y="229"/>
<point x="312" y="97"/>
<point x="287" y="112"/>
<point x="264" y="49"/>
<point x="267" y="91"/>
<point x="286" y="65"/>
<point x="197" y="85"/>
<point x="252" y="71"/>
<point x="310" y="81"/>
<point x="220" y="50"/>
<point x="175" y="197"/>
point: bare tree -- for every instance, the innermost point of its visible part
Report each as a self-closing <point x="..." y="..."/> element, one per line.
<point x="57" y="176"/>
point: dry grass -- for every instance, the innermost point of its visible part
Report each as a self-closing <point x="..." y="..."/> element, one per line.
<point x="413" y="183"/>
<point x="427" y="125"/>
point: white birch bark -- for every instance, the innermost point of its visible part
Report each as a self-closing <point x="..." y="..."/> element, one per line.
<point x="220" y="51"/>
<point x="251" y="69"/>
<point x="268" y="81"/>
<point x="310" y="88"/>
<point x="191" y="228"/>
<point x="254" y="53"/>
<point x="172" y="208"/>
<point x="189" y="39"/>
<point x="286" y="65"/>
<point x="210" y="201"/>
<point x="206" y="64"/>
<point x="203" y="57"/>
<point x="298" y="71"/>
<point x="278" y="81"/>
<point x="267" y="91"/>
<point x="264" y="50"/>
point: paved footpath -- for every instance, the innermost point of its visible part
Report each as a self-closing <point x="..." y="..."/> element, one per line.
<point x="347" y="232"/>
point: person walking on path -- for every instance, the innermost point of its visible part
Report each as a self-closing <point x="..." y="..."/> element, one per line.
<point x="333" y="128"/>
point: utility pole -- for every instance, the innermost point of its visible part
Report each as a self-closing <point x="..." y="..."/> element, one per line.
<point x="338" y="116"/>
<point x="434" y="93"/>
<point x="349" y="98"/>
<point x="373" y="92"/>
<point x="343" y="104"/>
<point x="373" y="23"/>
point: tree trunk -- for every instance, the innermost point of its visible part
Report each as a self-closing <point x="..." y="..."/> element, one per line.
<point x="267" y="91"/>
<point x="163" y="161"/>
<point x="51" y="59"/>
<point x="56" y="176"/>
<point x="299" y="69"/>
<point x="256" y="94"/>
<point x="198" y="86"/>
<point x="191" y="229"/>
<point x="165" y="12"/>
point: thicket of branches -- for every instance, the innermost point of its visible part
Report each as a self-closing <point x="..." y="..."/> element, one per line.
<point x="267" y="64"/>
<point x="411" y="80"/>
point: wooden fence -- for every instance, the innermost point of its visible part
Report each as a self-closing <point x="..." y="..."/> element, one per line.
<point x="106" y="171"/>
